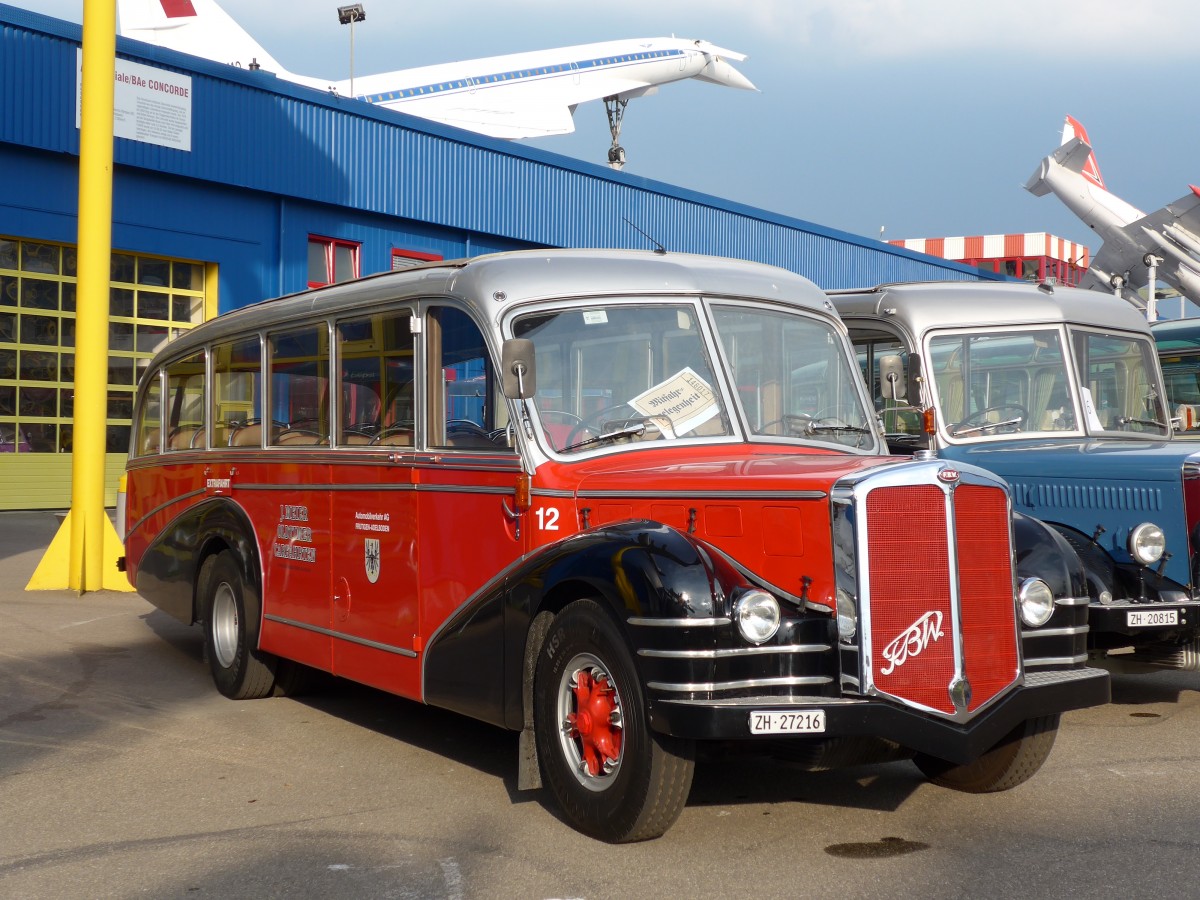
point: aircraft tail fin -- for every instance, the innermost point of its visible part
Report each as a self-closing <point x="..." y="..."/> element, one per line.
<point x="198" y="27"/>
<point x="1083" y="163"/>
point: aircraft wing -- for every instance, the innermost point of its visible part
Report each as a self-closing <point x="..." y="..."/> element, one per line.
<point x="1171" y="233"/>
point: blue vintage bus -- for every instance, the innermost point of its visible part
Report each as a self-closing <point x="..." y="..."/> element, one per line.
<point x="1059" y="391"/>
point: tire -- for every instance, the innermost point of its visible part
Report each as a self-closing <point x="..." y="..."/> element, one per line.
<point x="239" y="669"/>
<point x="1011" y="762"/>
<point x="617" y="780"/>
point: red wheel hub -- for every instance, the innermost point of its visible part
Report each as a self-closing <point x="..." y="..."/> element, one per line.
<point x="593" y="723"/>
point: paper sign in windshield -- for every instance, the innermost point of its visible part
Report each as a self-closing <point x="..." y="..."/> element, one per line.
<point x="685" y="398"/>
<point x="1089" y="411"/>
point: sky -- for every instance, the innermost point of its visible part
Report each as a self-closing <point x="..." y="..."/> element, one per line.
<point x="900" y="118"/>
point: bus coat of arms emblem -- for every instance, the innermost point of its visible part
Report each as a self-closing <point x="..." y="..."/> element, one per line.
<point x="371" y="558"/>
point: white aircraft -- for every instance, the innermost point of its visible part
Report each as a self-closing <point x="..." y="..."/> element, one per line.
<point x="521" y="95"/>
<point x="1137" y="248"/>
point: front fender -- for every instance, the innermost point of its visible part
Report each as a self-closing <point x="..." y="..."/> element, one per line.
<point x="637" y="568"/>
<point x="1041" y="552"/>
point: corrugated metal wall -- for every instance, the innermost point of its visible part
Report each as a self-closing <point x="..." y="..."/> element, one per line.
<point x="253" y="131"/>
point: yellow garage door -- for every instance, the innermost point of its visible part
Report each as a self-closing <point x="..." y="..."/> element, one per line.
<point x="151" y="300"/>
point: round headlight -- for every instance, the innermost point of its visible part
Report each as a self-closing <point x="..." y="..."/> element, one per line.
<point x="1037" y="602"/>
<point x="1147" y="543"/>
<point x="757" y="616"/>
<point x="847" y="616"/>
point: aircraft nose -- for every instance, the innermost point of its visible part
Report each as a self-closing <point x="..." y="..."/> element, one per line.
<point x="717" y="71"/>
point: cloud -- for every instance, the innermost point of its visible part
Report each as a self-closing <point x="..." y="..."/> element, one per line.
<point x="903" y="29"/>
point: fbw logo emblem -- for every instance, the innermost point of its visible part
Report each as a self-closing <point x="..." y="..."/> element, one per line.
<point x="371" y="558"/>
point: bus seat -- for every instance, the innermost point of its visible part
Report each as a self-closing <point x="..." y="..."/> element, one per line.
<point x="394" y="437"/>
<point x="299" y="436"/>
<point x="183" y="438"/>
<point x="246" y="436"/>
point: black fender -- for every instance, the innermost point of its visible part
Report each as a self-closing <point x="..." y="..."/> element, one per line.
<point x="475" y="663"/>
<point x="1125" y="581"/>
<point x="1041" y="552"/>
<point x="168" y="571"/>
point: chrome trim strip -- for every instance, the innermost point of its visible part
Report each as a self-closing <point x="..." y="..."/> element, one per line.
<point x="1148" y="604"/>
<point x="1056" y="632"/>
<point x="1056" y="661"/>
<point x="377" y="486"/>
<point x="738" y="685"/>
<point x="679" y="623"/>
<point x="704" y="495"/>
<point x="1072" y="601"/>
<point x="956" y="612"/>
<point x="735" y="651"/>
<point x="375" y="645"/>
<point x="759" y="702"/>
<point x="329" y="488"/>
<point x="552" y="492"/>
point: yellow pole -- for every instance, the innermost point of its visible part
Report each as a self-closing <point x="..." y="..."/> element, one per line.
<point x="87" y="523"/>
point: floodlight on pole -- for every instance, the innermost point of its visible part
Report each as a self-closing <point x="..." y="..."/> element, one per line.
<point x="348" y="15"/>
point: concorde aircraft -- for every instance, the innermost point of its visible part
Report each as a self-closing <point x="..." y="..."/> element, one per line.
<point x="521" y="95"/>
<point x="1169" y="238"/>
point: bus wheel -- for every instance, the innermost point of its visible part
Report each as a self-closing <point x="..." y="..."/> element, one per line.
<point x="1011" y="762"/>
<point x="614" y="778"/>
<point x="241" y="671"/>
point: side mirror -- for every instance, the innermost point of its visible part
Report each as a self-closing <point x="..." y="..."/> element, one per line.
<point x="891" y="378"/>
<point x="517" y="369"/>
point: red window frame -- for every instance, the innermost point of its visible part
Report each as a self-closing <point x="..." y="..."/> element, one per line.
<point x="330" y="247"/>
<point x="415" y="255"/>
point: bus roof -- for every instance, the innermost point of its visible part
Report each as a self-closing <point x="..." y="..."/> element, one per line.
<point x="492" y="284"/>
<point x="1177" y="334"/>
<point x="925" y="305"/>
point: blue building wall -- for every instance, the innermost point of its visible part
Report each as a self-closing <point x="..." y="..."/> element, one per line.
<point x="272" y="162"/>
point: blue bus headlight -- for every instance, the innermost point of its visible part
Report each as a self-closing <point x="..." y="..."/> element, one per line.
<point x="1147" y="543"/>
<point x="1036" y="602"/>
<point x="757" y="616"/>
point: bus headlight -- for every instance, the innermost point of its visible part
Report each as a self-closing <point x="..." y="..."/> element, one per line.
<point x="1147" y="543"/>
<point x="1036" y="601"/>
<point x="757" y="616"/>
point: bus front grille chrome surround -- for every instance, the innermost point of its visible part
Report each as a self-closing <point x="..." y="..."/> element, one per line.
<point x="924" y="553"/>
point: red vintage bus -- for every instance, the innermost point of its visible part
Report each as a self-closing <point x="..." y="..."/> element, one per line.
<point x="619" y="502"/>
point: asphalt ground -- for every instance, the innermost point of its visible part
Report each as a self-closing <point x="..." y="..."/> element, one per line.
<point x="124" y="774"/>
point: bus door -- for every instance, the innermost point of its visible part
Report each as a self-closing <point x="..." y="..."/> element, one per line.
<point x="466" y="479"/>
<point x="375" y="615"/>
<point x="291" y="495"/>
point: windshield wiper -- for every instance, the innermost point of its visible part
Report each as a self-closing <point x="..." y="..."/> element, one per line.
<point x="1133" y="420"/>
<point x="838" y="429"/>
<point x="628" y="430"/>
<point x="958" y="432"/>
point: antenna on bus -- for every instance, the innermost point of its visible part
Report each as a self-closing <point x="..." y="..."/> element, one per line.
<point x="658" y="248"/>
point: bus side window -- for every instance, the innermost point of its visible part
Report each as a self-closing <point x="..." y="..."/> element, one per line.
<point x="299" y="386"/>
<point x="376" y="370"/>
<point x="185" y="398"/>
<point x="237" y="393"/>
<point x="149" y="427"/>
<point x="464" y="410"/>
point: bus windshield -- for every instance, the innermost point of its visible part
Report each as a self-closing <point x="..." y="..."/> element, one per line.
<point x="624" y="372"/>
<point x="1002" y="383"/>
<point x="1021" y="383"/>
<point x="1120" y="383"/>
